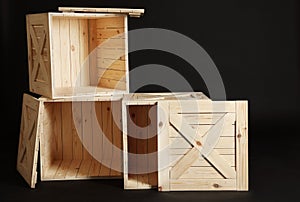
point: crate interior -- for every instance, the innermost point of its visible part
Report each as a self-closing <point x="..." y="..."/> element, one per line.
<point x="72" y="146"/>
<point x="142" y="139"/>
<point x="88" y="54"/>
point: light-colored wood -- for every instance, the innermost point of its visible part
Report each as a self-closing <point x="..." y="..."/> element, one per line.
<point x="184" y="163"/>
<point x="75" y="52"/>
<point x="107" y="134"/>
<point x="84" y="53"/>
<point x="132" y="148"/>
<point x="129" y="11"/>
<point x="152" y="145"/>
<point x="242" y="145"/>
<point x="87" y="133"/>
<point x="202" y="184"/>
<point x="163" y="146"/>
<point x="29" y="140"/>
<point x="92" y="30"/>
<point x="63" y="55"/>
<point x="197" y="141"/>
<point x="202" y="106"/>
<point x="142" y="145"/>
<point x="38" y="54"/>
<point x="201" y="173"/>
<point x="116" y="165"/>
<point x="67" y="136"/>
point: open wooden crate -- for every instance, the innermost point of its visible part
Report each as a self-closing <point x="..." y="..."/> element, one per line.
<point x="76" y="139"/>
<point x="174" y="131"/>
<point x="78" y="54"/>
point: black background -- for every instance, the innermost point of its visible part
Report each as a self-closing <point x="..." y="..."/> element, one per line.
<point x="255" y="45"/>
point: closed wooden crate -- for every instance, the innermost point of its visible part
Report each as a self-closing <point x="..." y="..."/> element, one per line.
<point x="76" y="139"/>
<point x="78" y="54"/>
<point x="184" y="161"/>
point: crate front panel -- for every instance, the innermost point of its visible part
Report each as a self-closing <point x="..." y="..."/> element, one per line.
<point x="39" y="54"/>
<point x="71" y="144"/>
<point x="189" y="169"/>
<point x="79" y="58"/>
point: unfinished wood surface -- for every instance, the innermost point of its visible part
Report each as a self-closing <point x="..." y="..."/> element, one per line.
<point x="129" y="11"/>
<point x="163" y="146"/>
<point x="116" y="165"/>
<point x="29" y="140"/>
<point x="152" y="145"/>
<point x="142" y="146"/>
<point x="69" y="145"/>
<point x="38" y="44"/>
<point x="59" y="53"/>
<point x="202" y="184"/>
<point x="242" y="145"/>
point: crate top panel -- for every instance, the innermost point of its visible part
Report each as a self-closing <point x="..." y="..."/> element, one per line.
<point x="152" y="98"/>
<point x="128" y="11"/>
<point x="87" y="98"/>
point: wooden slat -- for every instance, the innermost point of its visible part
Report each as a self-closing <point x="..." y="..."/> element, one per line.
<point x="67" y="136"/>
<point x="112" y="84"/>
<point x="111" y="64"/>
<point x="163" y="146"/>
<point x="56" y="53"/>
<point x="132" y="148"/>
<point x="95" y="168"/>
<point x="77" y="130"/>
<point x="73" y="169"/>
<point x="184" y="163"/>
<point x="107" y="136"/>
<point x="110" y="22"/>
<point x="125" y="129"/>
<point x="190" y="134"/>
<point x="84" y="52"/>
<point x="49" y="174"/>
<point x="200" y="184"/>
<point x="152" y="145"/>
<point x="117" y="138"/>
<point x="201" y="173"/>
<point x="93" y="52"/>
<point x="142" y="145"/>
<point x="84" y="169"/>
<point x="75" y="51"/>
<point x="242" y="145"/>
<point x="62" y="169"/>
<point x="130" y="11"/>
<point x="96" y="116"/>
<point x="64" y="34"/>
<point x="202" y="106"/>
<point x="56" y="143"/>
<point x="112" y="74"/>
<point x="87" y="133"/>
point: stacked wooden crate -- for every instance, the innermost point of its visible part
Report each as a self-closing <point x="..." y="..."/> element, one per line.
<point x="78" y="63"/>
<point x="87" y="125"/>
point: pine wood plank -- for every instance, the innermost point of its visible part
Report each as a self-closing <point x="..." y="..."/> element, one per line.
<point x="142" y="145"/>
<point x="62" y="169"/>
<point x="77" y="130"/>
<point x="84" y="52"/>
<point x="117" y="138"/>
<point x="87" y="133"/>
<point x="242" y="145"/>
<point x="107" y="136"/>
<point x="93" y="52"/>
<point x="163" y="146"/>
<point x="75" y="52"/>
<point x="184" y="163"/>
<point x="73" y="169"/>
<point x="200" y="184"/>
<point x="64" y="34"/>
<point x="84" y="169"/>
<point x="152" y="145"/>
<point x="67" y="135"/>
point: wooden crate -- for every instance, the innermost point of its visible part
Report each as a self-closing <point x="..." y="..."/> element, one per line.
<point x="77" y="54"/>
<point x="184" y="161"/>
<point x="67" y="135"/>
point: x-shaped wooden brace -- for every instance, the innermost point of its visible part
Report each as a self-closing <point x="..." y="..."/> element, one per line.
<point x="39" y="49"/>
<point x="27" y="131"/>
<point x="191" y="135"/>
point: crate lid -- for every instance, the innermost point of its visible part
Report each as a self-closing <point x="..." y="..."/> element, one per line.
<point x="29" y="139"/>
<point x="129" y="11"/>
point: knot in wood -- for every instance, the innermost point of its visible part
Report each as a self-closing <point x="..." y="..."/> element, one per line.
<point x="216" y="185"/>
